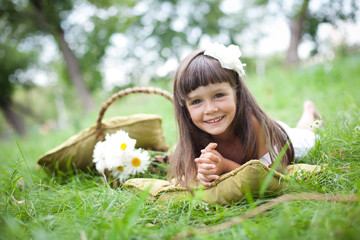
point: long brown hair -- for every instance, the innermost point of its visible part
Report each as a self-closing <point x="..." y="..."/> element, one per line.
<point x="198" y="70"/>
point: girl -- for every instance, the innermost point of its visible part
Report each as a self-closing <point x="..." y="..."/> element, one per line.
<point x="221" y="125"/>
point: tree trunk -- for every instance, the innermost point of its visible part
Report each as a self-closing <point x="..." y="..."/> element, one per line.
<point x="11" y="117"/>
<point x="296" y="33"/>
<point x="72" y="65"/>
<point x="74" y="71"/>
<point x="26" y="111"/>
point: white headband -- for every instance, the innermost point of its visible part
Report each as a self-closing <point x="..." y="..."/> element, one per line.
<point x="229" y="57"/>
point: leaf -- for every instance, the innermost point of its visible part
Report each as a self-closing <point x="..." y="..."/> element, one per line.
<point x="269" y="176"/>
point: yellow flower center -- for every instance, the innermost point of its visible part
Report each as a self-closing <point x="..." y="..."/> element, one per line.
<point x="120" y="168"/>
<point x="123" y="146"/>
<point x="136" y="162"/>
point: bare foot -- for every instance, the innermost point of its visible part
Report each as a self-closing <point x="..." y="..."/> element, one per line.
<point x="309" y="115"/>
<point x="309" y="107"/>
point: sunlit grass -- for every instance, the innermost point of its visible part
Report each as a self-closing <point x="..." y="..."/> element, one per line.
<point x="34" y="205"/>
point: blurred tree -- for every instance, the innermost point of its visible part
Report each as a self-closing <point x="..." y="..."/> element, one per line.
<point x="93" y="37"/>
<point x="11" y="62"/>
<point x="82" y="44"/>
<point x="48" y="16"/>
<point x="304" y="20"/>
<point x="296" y="32"/>
<point x="168" y="29"/>
<point x="44" y="17"/>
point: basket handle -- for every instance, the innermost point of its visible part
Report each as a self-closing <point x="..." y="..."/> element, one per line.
<point x="123" y="93"/>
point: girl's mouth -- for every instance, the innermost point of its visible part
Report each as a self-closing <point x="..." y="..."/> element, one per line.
<point x="215" y="120"/>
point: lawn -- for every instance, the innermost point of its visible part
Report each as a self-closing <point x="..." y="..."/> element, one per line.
<point x="34" y="205"/>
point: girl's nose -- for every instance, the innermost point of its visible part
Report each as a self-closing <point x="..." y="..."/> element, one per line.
<point x="210" y="107"/>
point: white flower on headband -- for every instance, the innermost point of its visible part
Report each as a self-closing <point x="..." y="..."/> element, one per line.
<point x="229" y="57"/>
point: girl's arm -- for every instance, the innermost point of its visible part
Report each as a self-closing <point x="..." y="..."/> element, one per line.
<point x="260" y="137"/>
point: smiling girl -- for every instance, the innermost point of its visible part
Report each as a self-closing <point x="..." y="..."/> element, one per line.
<point x="221" y="125"/>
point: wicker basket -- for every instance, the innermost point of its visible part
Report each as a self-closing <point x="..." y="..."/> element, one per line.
<point x="123" y="93"/>
<point x="117" y="96"/>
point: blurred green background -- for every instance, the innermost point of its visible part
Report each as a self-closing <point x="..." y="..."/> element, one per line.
<point x="60" y="59"/>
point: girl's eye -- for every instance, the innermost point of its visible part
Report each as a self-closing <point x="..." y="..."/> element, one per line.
<point x="219" y="95"/>
<point x="196" y="101"/>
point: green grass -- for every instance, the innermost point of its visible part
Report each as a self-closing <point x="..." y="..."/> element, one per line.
<point x="80" y="206"/>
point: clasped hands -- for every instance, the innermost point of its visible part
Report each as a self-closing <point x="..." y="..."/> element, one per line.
<point x="210" y="165"/>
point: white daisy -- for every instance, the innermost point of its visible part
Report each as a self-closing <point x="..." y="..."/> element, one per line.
<point x="99" y="156"/>
<point x="357" y="128"/>
<point x="316" y="124"/>
<point x="120" y="172"/>
<point x="117" y="154"/>
<point x="118" y="144"/>
<point x="138" y="161"/>
<point x="121" y="141"/>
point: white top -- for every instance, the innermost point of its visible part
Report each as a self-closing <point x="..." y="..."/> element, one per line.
<point x="302" y="140"/>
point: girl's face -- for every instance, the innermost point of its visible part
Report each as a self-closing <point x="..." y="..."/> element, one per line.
<point x="212" y="108"/>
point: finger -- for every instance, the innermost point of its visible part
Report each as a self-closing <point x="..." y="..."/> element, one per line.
<point x="207" y="178"/>
<point x="201" y="177"/>
<point x="206" y="166"/>
<point x="206" y="171"/>
<point x="211" y="155"/>
<point x="206" y="184"/>
<point x="211" y="146"/>
<point x="204" y="160"/>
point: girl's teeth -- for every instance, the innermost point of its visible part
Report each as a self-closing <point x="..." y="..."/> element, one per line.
<point x="215" y="120"/>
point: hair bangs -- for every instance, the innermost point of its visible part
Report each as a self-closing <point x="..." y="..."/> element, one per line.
<point x="202" y="71"/>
